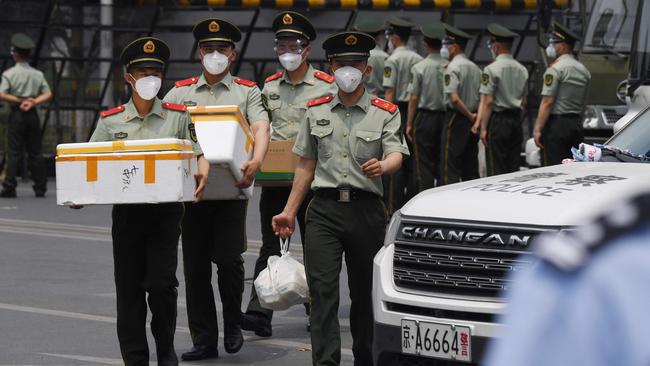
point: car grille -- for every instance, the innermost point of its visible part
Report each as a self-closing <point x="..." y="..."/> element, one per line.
<point x="612" y="115"/>
<point x="463" y="266"/>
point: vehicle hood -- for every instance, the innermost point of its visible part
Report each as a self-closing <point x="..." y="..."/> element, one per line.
<point x="558" y="195"/>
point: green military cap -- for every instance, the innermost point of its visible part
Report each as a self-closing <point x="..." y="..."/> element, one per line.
<point x="561" y="33"/>
<point x="455" y="35"/>
<point x="216" y="32"/>
<point x="292" y="24"/>
<point x="398" y="25"/>
<point x="433" y="30"/>
<point x="371" y="25"/>
<point x="348" y="46"/>
<point x="22" y="42"/>
<point x="501" y="33"/>
<point x="145" y="52"/>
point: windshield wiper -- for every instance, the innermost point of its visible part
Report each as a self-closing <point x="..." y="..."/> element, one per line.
<point x="623" y="155"/>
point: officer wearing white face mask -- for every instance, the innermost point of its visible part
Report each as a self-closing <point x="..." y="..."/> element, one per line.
<point x="286" y="94"/>
<point x="346" y="143"/>
<point x="145" y="236"/>
<point x="215" y="231"/>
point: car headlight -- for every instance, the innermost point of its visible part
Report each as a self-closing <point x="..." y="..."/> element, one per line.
<point x="393" y="227"/>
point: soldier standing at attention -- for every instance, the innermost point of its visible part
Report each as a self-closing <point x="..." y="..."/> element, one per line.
<point x="145" y="236"/>
<point x="374" y="26"/>
<point x="461" y="82"/>
<point x="286" y="94"/>
<point x="215" y="231"/>
<point x="566" y="84"/>
<point x="345" y="145"/>
<point x="397" y="73"/>
<point x="504" y="86"/>
<point x="23" y="87"/>
<point x="426" y="111"/>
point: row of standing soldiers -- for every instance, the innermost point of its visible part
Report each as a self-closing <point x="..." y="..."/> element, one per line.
<point x="447" y="103"/>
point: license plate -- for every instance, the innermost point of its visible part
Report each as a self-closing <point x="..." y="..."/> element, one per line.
<point x="446" y="341"/>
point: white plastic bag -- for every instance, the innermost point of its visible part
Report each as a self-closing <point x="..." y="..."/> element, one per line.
<point x="282" y="283"/>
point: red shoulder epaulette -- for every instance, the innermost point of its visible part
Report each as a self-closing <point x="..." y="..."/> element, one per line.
<point x="174" y="107"/>
<point x="187" y="82"/>
<point x="112" y="111"/>
<point x="325" y="77"/>
<point x="245" y="82"/>
<point x="319" y="101"/>
<point x="382" y="104"/>
<point x="275" y="76"/>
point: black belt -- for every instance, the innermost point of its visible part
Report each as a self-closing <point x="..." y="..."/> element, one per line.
<point x="345" y="194"/>
<point x="567" y="115"/>
<point x="509" y="112"/>
<point x="432" y="111"/>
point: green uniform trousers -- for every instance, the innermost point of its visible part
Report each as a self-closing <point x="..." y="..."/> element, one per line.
<point x="400" y="186"/>
<point x="334" y="229"/>
<point x="459" y="149"/>
<point x="427" y="132"/>
<point x="145" y="252"/>
<point x="272" y="202"/>
<point x="505" y="135"/>
<point x="213" y="232"/>
<point x="24" y="133"/>
<point x="559" y="135"/>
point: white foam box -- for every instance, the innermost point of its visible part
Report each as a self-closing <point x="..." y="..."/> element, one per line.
<point x="130" y="171"/>
<point x="227" y="143"/>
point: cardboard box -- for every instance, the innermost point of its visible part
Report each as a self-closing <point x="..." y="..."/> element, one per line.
<point x="279" y="164"/>
<point x="227" y="143"/>
<point x="131" y="171"/>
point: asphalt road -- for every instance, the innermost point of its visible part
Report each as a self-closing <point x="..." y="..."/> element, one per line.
<point x="57" y="297"/>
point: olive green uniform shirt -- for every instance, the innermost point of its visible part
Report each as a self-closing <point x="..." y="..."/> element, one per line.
<point x="342" y="139"/>
<point x="287" y="103"/>
<point x="225" y="92"/>
<point x="463" y="77"/>
<point x="426" y="82"/>
<point x="568" y="81"/>
<point x="506" y="80"/>
<point x="23" y="81"/>
<point x="158" y="123"/>
<point x="397" y="71"/>
<point x="377" y="61"/>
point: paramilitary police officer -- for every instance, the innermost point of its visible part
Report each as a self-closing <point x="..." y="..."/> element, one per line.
<point x="590" y="300"/>
<point x="286" y="94"/>
<point x="341" y="145"/>
<point x="461" y="82"/>
<point x="426" y="111"/>
<point x="145" y="236"/>
<point x="215" y="231"/>
<point x="23" y="87"/>
<point x="397" y="73"/>
<point x="374" y="26"/>
<point x="503" y="95"/>
<point x="566" y="84"/>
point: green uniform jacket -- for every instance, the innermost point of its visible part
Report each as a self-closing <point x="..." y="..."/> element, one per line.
<point x="426" y="82"/>
<point x="287" y="103"/>
<point x="23" y="81"/>
<point x="568" y="81"/>
<point x="342" y="139"/>
<point x="397" y="71"/>
<point x="506" y="80"/>
<point x="377" y="61"/>
<point x="462" y="76"/>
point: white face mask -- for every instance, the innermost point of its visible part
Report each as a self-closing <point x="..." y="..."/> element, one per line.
<point x="550" y="51"/>
<point x="348" y="78"/>
<point x="444" y="52"/>
<point x="147" y="87"/>
<point x="215" y="63"/>
<point x="290" y="61"/>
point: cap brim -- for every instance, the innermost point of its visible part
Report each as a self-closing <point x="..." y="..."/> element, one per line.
<point x="148" y="65"/>
<point x="350" y="57"/>
<point x="216" y="43"/>
<point x="291" y="34"/>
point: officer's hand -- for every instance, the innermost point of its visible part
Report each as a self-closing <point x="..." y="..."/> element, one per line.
<point x="27" y="104"/>
<point x="283" y="224"/>
<point x="372" y="168"/>
<point x="484" y="137"/>
<point x="76" y="207"/>
<point x="537" y="135"/>
<point x="249" y="169"/>
<point x="409" y="132"/>
<point x="475" y="128"/>
<point x="201" y="182"/>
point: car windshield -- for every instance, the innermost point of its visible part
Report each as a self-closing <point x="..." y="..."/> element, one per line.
<point x="611" y="26"/>
<point x="635" y="136"/>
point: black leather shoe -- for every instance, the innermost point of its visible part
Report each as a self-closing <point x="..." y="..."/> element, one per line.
<point x="39" y="194"/>
<point x="6" y="193"/>
<point x="200" y="353"/>
<point x="168" y="358"/>
<point x="256" y="323"/>
<point x="232" y="338"/>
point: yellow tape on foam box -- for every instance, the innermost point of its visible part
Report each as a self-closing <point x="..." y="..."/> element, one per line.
<point x="136" y="171"/>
